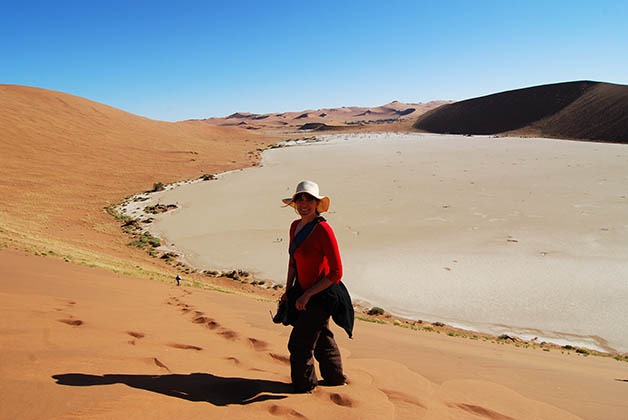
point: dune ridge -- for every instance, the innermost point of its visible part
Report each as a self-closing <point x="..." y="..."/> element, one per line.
<point x="583" y="110"/>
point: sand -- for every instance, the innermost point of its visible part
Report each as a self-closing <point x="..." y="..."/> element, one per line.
<point x="115" y="341"/>
<point x="495" y="235"/>
<point x="89" y="343"/>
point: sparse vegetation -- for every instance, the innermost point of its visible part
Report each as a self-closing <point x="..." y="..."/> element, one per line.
<point x="158" y="186"/>
<point x="159" y="208"/>
<point x="236" y="274"/>
<point x="146" y="239"/>
<point x="111" y="210"/>
<point x="376" y="310"/>
<point x="212" y="273"/>
<point x="169" y="256"/>
<point x="373" y="320"/>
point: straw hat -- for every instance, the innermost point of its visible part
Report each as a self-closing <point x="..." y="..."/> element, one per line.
<point x="310" y="188"/>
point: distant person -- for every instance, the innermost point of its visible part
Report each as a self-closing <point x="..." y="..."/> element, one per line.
<point x="314" y="289"/>
<point x="178" y="280"/>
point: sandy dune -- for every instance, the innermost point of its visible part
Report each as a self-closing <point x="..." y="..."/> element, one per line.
<point x="94" y="344"/>
<point x="573" y="110"/>
<point x="345" y="118"/>
<point x="65" y="158"/>
<point x="88" y="342"/>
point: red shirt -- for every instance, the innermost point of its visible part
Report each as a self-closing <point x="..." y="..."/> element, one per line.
<point x="317" y="256"/>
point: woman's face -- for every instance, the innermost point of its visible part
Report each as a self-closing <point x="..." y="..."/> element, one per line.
<point x="305" y="204"/>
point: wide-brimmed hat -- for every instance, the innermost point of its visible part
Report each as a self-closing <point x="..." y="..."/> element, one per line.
<point x="310" y="188"/>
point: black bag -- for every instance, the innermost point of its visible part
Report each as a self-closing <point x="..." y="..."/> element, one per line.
<point x="281" y="317"/>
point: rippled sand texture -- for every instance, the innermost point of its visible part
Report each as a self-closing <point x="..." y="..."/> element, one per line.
<point x="500" y="234"/>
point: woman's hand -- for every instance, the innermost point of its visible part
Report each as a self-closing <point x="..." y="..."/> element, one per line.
<point x="301" y="302"/>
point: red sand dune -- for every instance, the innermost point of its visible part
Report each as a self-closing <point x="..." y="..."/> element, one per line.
<point x="64" y="158"/>
<point x="573" y="110"/>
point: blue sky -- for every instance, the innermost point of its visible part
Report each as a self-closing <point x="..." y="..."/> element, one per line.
<point x="196" y="59"/>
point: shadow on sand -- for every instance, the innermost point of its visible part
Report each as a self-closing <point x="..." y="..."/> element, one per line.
<point x="216" y="390"/>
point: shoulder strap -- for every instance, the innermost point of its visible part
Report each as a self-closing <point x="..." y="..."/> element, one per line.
<point x="303" y="234"/>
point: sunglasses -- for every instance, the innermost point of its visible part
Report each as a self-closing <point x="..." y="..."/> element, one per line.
<point x="303" y="196"/>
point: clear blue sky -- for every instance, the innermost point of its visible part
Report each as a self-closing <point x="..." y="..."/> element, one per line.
<point x="179" y="60"/>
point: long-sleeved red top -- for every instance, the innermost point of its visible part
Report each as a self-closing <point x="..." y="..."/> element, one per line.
<point x="317" y="256"/>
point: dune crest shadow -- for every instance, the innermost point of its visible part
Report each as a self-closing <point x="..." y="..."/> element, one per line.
<point x="213" y="389"/>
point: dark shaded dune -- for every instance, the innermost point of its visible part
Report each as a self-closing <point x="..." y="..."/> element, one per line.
<point x="241" y="115"/>
<point x="406" y="111"/>
<point x="578" y="110"/>
<point x="503" y="111"/>
<point x="601" y="113"/>
<point x="320" y="127"/>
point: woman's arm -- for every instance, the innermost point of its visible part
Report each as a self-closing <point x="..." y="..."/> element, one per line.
<point x="330" y="249"/>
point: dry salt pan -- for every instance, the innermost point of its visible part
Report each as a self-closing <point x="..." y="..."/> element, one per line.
<point x="531" y="232"/>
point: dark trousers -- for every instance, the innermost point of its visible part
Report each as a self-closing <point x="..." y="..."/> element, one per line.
<point x="311" y="335"/>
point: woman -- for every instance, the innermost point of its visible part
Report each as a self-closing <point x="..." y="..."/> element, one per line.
<point x="314" y="271"/>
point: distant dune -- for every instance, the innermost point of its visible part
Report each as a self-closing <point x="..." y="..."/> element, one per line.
<point x="331" y="118"/>
<point x="573" y="110"/>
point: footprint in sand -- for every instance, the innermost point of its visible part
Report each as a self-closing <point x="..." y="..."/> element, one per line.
<point x="211" y="324"/>
<point x="160" y="364"/>
<point x="258" y="345"/>
<point x="340" y="400"/>
<point x="280" y="358"/>
<point x="185" y="347"/>
<point x="185" y="308"/>
<point x="481" y="411"/>
<point x="405" y="398"/>
<point x="136" y="334"/>
<point x="229" y="334"/>
<point x="277" y="410"/>
<point x="72" y="322"/>
<point x="201" y="319"/>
